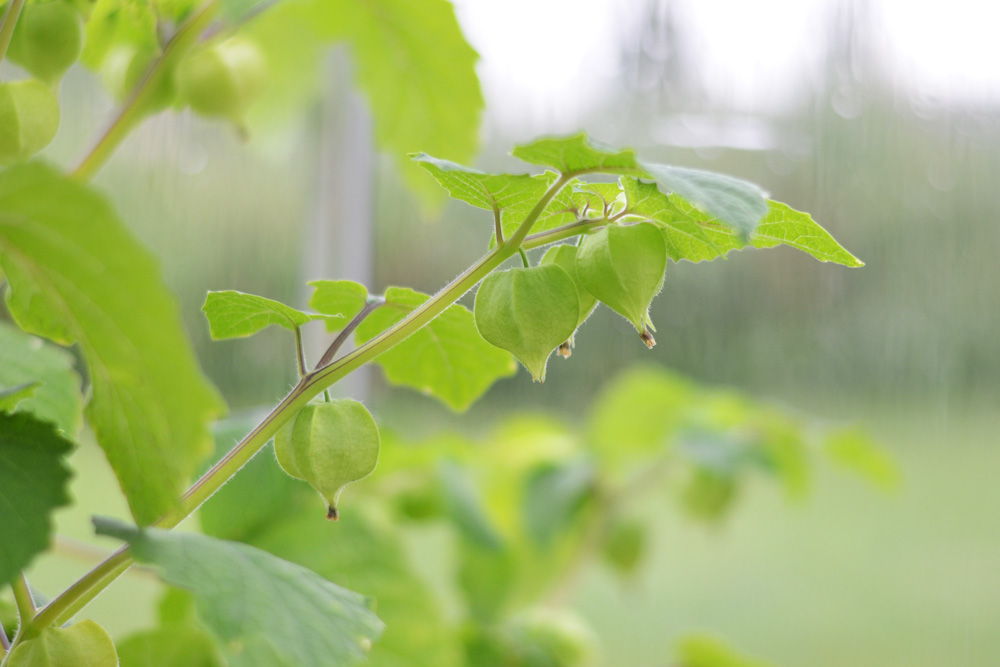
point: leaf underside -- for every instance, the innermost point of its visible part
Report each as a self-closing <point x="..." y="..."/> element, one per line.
<point x="246" y="596"/>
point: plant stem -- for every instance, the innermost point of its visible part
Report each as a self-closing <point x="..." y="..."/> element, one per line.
<point x="497" y="227"/>
<point x="134" y="108"/>
<point x="348" y="330"/>
<point x="4" y="642"/>
<point x="85" y="589"/>
<point x="524" y="258"/>
<point x="22" y="600"/>
<point x="300" y="354"/>
<point x="7" y="25"/>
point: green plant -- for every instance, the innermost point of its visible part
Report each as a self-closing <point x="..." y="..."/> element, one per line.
<point x="75" y="276"/>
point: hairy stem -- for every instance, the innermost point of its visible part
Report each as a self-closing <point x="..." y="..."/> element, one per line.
<point x="22" y="599"/>
<point x="134" y="108"/>
<point x="497" y="227"/>
<point x="85" y="589"/>
<point x="4" y="642"/>
<point x="348" y="330"/>
<point x="7" y="25"/>
<point x="300" y="353"/>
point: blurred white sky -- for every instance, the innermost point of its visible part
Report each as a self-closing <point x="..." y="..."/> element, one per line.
<point x="538" y="55"/>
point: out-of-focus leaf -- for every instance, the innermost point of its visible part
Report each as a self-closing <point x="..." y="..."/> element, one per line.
<point x="418" y="73"/>
<point x="261" y="494"/>
<point x="33" y="483"/>
<point x="11" y="396"/>
<point x="447" y="359"/>
<point x="244" y="594"/>
<point x="625" y="545"/>
<point x="708" y="651"/>
<point x="548" y="637"/>
<point x="365" y="554"/>
<point x="233" y="314"/>
<point x="638" y="413"/>
<point x="854" y="449"/>
<point x="553" y="497"/>
<point x="170" y="646"/>
<point x="56" y="398"/>
<point x="85" y="643"/>
<point x="344" y="298"/>
<point x="487" y="578"/>
<point x="464" y="506"/>
<point x="77" y="275"/>
<point x="707" y="495"/>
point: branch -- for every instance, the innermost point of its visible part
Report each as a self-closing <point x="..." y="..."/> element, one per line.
<point x="7" y="25"/>
<point x="132" y="111"/>
<point x="348" y="330"/>
<point x="85" y="589"/>
<point x="22" y="599"/>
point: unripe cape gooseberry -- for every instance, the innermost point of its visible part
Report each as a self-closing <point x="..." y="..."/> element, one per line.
<point x="329" y="445"/>
<point x="47" y="39"/>
<point x="623" y="266"/>
<point x="528" y="312"/>
<point x="29" y="119"/>
<point x="224" y="79"/>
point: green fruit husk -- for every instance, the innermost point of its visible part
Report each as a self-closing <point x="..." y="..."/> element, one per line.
<point x="29" y="119"/>
<point x="329" y="445"/>
<point x="528" y="312"/>
<point x="47" y="40"/>
<point x="223" y="80"/>
<point x="623" y="267"/>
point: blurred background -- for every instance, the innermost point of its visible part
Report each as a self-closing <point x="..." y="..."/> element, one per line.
<point x="879" y="117"/>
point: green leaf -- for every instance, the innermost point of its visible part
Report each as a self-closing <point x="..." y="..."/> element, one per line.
<point x="344" y="298"/>
<point x="854" y="450"/>
<point x="694" y="235"/>
<point x="179" y="641"/>
<point x="236" y="315"/>
<point x="447" y="359"/>
<point x="418" y="73"/>
<point x="465" y="507"/>
<point x="77" y="275"/>
<point x="171" y="646"/>
<point x="243" y="593"/>
<point x="786" y="226"/>
<point x="576" y="154"/>
<point x="553" y="497"/>
<point x="10" y="397"/>
<point x="685" y="237"/>
<point x="707" y="651"/>
<point x="636" y="415"/>
<point x="365" y="553"/>
<point x="85" y="643"/>
<point x="33" y="483"/>
<point x="482" y="190"/>
<point x="732" y="201"/>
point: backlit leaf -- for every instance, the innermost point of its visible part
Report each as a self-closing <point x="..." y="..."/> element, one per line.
<point x="33" y="482"/>
<point x="77" y="275"/>
<point x="344" y="298"/>
<point x="576" y="154"/>
<point x="707" y="651"/>
<point x="418" y="73"/>
<point x="235" y="314"/>
<point x="244" y="594"/>
<point x="854" y="449"/>
<point x="11" y="396"/>
<point x="447" y="359"/>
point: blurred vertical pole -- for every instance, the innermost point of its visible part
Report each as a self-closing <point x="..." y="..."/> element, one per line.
<point x="339" y="236"/>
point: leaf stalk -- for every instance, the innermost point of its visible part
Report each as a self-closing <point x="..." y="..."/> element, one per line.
<point x="7" y="25"/>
